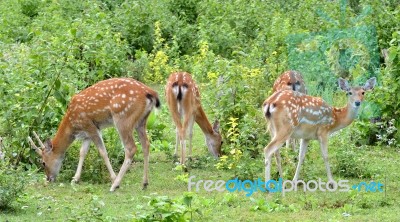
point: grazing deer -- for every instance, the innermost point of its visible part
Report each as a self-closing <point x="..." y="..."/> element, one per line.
<point x="183" y="99"/>
<point x="289" y="80"/>
<point x="291" y="114"/>
<point x="122" y="102"/>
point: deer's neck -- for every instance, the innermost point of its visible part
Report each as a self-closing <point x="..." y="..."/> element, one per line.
<point x="344" y="116"/>
<point x="63" y="137"/>
<point x="204" y="124"/>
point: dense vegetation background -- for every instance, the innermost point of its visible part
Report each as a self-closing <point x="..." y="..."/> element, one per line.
<point x="52" y="49"/>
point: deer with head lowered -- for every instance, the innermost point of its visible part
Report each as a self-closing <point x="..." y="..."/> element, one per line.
<point x="183" y="99"/>
<point x="291" y="114"/>
<point x="122" y="102"/>
<point x="289" y="80"/>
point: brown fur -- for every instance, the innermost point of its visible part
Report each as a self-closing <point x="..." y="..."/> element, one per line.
<point x="296" y="115"/>
<point x="123" y="102"/>
<point x="183" y="99"/>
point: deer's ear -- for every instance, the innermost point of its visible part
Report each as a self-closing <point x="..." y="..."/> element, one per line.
<point x="216" y="126"/>
<point x="343" y="84"/>
<point x="370" y="84"/>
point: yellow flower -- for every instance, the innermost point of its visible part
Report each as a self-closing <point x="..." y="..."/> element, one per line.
<point x="212" y="75"/>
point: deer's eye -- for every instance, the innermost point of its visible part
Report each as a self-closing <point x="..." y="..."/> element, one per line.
<point x="349" y="93"/>
<point x="289" y="83"/>
<point x="44" y="164"/>
<point x="363" y="93"/>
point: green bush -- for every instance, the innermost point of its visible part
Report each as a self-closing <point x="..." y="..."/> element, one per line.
<point x="389" y="104"/>
<point x="350" y="163"/>
<point x="162" y="208"/>
<point x="12" y="184"/>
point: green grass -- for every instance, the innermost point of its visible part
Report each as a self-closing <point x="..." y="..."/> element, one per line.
<point x="85" y="201"/>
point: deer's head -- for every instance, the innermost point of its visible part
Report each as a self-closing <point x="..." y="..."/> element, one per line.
<point x="50" y="160"/>
<point x="356" y="94"/>
<point x="214" y="142"/>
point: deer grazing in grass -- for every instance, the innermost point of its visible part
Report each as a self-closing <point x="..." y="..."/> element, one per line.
<point x="289" y="80"/>
<point x="183" y="99"/>
<point x="122" y="102"/>
<point x="291" y="114"/>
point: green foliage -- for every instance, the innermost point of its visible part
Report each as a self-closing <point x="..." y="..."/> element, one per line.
<point x="272" y="206"/>
<point x="365" y="132"/>
<point x="162" y="208"/>
<point x="388" y="132"/>
<point x="12" y="184"/>
<point x="242" y="164"/>
<point x="30" y="8"/>
<point x="389" y="104"/>
<point x="351" y="163"/>
<point x="92" y="211"/>
<point x="347" y="50"/>
<point x="231" y="161"/>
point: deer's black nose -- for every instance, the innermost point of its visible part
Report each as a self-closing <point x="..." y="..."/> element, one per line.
<point x="358" y="103"/>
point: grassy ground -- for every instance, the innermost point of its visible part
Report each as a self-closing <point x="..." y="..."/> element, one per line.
<point x="86" y="201"/>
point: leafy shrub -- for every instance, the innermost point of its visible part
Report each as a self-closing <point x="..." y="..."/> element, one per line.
<point x="92" y="211"/>
<point x="387" y="134"/>
<point x="383" y="96"/>
<point x="275" y="205"/>
<point x="350" y="163"/>
<point x="12" y="184"/>
<point x="30" y="8"/>
<point x="162" y="208"/>
<point x="238" y="160"/>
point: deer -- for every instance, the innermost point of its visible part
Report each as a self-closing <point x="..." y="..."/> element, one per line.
<point x="288" y="80"/>
<point x="291" y="114"/>
<point x="121" y="102"/>
<point x="184" y="103"/>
